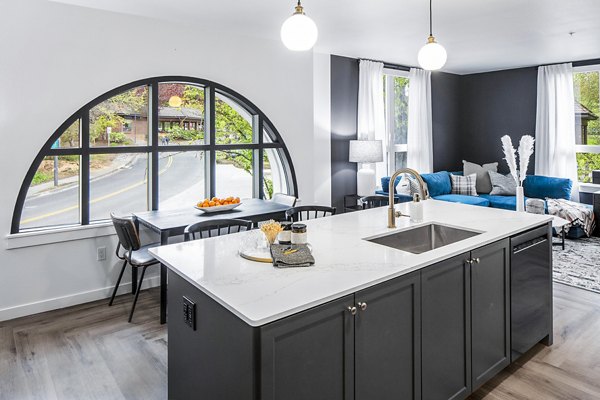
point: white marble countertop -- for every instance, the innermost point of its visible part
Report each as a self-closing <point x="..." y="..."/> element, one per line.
<point x="259" y="293"/>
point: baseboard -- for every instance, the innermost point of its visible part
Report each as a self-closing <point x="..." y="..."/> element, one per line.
<point x="71" y="300"/>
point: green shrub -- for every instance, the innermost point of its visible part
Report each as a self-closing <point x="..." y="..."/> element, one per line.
<point x="41" y="177"/>
<point x="178" y="133"/>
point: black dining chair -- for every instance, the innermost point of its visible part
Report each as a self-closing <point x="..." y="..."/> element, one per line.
<point x="217" y="227"/>
<point x="374" y="201"/>
<point x="302" y="213"/>
<point x="135" y="254"/>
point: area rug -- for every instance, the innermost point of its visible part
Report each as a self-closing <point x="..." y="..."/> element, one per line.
<point x="578" y="264"/>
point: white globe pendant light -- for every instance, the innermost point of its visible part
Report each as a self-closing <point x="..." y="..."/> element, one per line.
<point x="433" y="55"/>
<point x="299" y="32"/>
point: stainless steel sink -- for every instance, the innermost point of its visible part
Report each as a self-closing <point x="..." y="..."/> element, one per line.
<point x="423" y="238"/>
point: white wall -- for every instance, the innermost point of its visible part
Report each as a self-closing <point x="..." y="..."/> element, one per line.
<point x="54" y="58"/>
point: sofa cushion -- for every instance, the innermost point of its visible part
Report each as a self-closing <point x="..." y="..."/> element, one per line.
<point x="464" y="184"/>
<point x="503" y="202"/>
<point x="385" y="183"/>
<point x="484" y="185"/>
<point x="438" y="183"/>
<point x="542" y="187"/>
<point x="502" y="185"/>
<point x="463" y="199"/>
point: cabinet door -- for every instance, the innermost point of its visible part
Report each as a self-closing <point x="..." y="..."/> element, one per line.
<point x="387" y="340"/>
<point x="490" y="305"/>
<point x="310" y="355"/>
<point x="446" y="328"/>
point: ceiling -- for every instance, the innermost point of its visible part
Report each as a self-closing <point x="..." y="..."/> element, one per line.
<point x="479" y="35"/>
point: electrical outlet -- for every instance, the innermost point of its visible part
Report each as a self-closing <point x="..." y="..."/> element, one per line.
<point x="101" y="253"/>
<point x="189" y="313"/>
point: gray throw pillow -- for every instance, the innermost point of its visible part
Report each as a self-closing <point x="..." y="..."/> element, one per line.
<point x="464" y="185"/>
<point x="483" y="184"/>
<point x="503" y="185"/>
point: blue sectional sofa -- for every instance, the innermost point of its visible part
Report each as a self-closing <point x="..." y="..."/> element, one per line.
<point x="535" y="186"/>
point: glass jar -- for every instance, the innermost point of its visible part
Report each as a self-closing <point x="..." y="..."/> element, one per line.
<point x="285" y="236"/>
<point x="299" y="235"/>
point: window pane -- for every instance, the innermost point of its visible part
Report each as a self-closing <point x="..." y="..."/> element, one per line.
<point x="273" y="174"/>
<point x="586" y="163"/>
<point x="53" y="196"/>
<point x="233" y="123"/>
<point x="118" y="183"/>
<point x="400" y="110"/>
<point x="587" y="94"/>
<point x="121" y="120"/>
<point x="269" y="136"/>
<point x="69" y="138"/>
<point x="181" y="179"/>
<point x="234" y="173"/>
<point x="180" y="114"/>
<point x="400" y="160"/>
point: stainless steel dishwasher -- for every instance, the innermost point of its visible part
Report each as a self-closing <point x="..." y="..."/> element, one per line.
<point x="531" y="280"/>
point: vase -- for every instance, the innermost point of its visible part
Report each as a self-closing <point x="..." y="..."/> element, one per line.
<point x="520" y="199"/>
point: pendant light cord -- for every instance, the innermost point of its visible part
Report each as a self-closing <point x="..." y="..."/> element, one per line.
<point x="430" y="19"/>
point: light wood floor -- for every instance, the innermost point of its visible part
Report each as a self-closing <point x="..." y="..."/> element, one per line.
<point x="91" y="352"/>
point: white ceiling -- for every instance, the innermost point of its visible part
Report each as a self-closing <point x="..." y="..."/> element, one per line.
<point x="479" y="35"/>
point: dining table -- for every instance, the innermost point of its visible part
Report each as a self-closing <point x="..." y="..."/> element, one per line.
<point x="169" y="223"/>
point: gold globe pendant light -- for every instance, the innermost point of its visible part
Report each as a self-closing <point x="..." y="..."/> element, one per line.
<point x="433" y="55"/>
<point x="299" y="32"/>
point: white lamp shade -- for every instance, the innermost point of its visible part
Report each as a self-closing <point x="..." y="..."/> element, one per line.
<point x="299" y="32"/>
<point x="366" y="151"/>
<point x="432" y="56"/>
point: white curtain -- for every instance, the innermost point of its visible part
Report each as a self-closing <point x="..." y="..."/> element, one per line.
<point x="555" y="124"/>
<point x="419" y="141"/>
<point x="371" y="111"/>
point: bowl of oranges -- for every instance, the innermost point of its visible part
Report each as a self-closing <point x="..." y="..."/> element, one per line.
<point x="216" y="204"/>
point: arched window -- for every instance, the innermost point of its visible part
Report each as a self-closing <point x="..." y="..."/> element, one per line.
<point x="160" y="143"/>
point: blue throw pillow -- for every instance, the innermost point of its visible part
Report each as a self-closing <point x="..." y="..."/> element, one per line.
<point x="541" y="187"/>
<point x="438" y="183"/>
<point x="385" y="183"/>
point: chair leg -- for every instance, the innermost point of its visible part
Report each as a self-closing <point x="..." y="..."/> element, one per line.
<point x="137" y="293"/>
<point x="114" y="293"/>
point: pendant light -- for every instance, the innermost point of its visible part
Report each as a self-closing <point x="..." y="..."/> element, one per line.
<point x="432" y="56"/>
<point x="299" y="32"/>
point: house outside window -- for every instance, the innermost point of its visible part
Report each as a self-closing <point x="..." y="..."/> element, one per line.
<point x="396" y="118"/>
<point x="587" y="123"/>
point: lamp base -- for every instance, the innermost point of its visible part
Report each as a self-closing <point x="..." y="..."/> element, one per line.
<point x="365" y="182"/>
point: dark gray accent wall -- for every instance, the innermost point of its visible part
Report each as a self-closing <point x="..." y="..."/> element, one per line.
<point x="344" y="105"/>
<point x="446" y="118"/>
<point x="495" y="104"/>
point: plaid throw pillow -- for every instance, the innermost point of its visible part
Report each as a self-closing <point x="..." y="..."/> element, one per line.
<point x="464" y="184"/>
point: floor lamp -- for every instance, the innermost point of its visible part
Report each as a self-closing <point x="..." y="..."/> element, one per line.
<point x="366" y="152"/>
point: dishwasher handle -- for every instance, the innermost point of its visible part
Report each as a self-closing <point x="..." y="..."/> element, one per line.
<point x="529" y="244"/>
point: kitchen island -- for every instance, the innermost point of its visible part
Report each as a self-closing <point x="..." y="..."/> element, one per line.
<point x="367" y="321"/>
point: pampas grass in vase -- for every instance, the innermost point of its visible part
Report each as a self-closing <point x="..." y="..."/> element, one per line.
<point x="510" y="155"/>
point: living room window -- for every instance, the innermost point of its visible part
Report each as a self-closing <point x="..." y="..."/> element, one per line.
<point x="587" y="122"/>
<point x="396" y="116"/>
<point x="161" y="143"/>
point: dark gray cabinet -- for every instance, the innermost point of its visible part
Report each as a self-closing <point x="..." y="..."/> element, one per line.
<point x="387" y="340"/>
<point x="446" y="346"/>
<point x="365" y="346"/>
<point x="490" y="312"/>
<point x="466" y="325"/>
<point x="310" y="355"/>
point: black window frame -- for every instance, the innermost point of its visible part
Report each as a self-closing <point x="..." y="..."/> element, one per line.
<point x="261" y="124"/>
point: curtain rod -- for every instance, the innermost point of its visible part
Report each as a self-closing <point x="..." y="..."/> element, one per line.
<point x="387" y="65"/>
